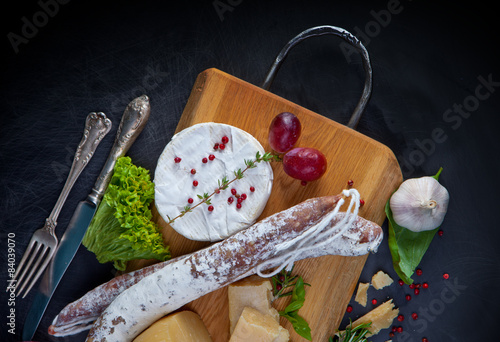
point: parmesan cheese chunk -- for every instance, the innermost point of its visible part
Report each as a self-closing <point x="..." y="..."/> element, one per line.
<point x="254" y="292"/>
<point x="381" y="317"/>
<point x="380" y="280"/>
<point x="253" y="326"/>
<point x="362" y="293"/>
<point x="184" y="326"/>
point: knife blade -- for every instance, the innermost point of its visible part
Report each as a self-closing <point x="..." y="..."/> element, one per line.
<point x="133" y="121"/>
<point x="62" y="258"/>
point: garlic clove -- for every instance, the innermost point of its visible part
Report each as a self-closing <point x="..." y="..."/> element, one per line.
<point x="420" y="204"/>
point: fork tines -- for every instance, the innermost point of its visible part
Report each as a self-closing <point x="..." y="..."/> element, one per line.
<point x="36" y="252"/>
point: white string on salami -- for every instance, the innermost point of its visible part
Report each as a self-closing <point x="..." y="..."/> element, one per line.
<point x="314" y="238"/>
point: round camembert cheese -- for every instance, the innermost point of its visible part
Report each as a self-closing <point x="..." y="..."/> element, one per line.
<point x="194" y="164"/>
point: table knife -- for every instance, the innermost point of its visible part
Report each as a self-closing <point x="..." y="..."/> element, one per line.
<point x="133" y="121"/>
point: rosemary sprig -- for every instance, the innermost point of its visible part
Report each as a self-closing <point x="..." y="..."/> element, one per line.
<point x="353" y="334"/>
<point x="224" y="183"/>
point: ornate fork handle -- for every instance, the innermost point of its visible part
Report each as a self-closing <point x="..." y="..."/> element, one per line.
<point x="97" y="126"/>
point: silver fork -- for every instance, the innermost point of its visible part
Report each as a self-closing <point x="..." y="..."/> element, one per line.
<point x="44" y="242"/>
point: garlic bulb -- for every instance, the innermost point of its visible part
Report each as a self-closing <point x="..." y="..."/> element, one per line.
<point x="420" y="204"/>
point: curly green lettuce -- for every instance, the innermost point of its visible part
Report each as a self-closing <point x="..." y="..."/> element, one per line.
<point x="121" y="229"/>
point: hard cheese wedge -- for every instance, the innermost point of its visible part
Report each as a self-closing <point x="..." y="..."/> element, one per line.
<point x="381" y="280"/>
<point x="381" y="317"/>
<point x="254" y="292"/>
<point x="253" y="326"/>
<point x="184" y="326"/>
<point x="362" y="293"/>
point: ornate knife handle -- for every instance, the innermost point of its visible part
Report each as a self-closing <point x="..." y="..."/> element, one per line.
<point x="133" y="121"/>
<point x="97" y="125"/>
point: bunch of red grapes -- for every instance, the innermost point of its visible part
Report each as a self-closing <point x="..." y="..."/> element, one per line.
<point x="303" y="163"/>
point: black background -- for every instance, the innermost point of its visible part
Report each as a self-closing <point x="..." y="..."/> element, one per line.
<point x="427" y="60"/>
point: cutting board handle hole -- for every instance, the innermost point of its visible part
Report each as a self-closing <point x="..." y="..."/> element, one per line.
<point x="350" y="39"/>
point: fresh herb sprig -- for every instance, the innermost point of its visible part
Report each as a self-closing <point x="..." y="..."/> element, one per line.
<point x="282" y="281"/>
<point x="224" y="183"/>
<point x="353" y="334"/>
<point x="291" y="312"/>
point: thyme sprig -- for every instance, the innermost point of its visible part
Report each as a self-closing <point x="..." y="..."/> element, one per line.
<point x="353" y="334"/>
<point x="223" y="184"/>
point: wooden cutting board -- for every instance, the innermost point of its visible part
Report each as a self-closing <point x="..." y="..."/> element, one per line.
<point x="219" y="97"/>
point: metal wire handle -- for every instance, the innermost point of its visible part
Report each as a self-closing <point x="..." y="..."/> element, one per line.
<point x="349" y="38"/>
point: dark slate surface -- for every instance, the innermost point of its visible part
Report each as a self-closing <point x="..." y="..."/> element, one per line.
<point x="434" y="103"/>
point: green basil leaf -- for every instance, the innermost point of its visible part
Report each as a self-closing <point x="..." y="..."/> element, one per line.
<point x="299" y="293"/>
<point x="299" y="325"/>
<point x="293" y="306"/>
<point x="298" y="296"/>
<point x="291" y="311"/>
<point x="394" y="248"/>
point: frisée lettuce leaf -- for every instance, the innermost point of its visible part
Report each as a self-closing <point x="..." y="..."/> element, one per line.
<point x="121" y="229"/>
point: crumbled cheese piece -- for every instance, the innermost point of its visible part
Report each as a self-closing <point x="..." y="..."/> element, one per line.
<point x="255" y="326"/>
<point x="184" y="326"/>
<point x="381" y="317"/>
<point x="254" y="292"/>
<point x="361" y="294"/>
<point x="380" y="280"/>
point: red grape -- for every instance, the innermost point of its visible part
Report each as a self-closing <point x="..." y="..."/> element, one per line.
<point x="284" y="132"/>
<point x="304" y="163"/>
